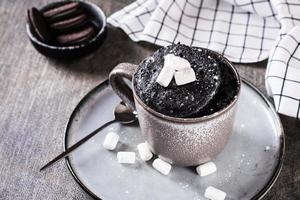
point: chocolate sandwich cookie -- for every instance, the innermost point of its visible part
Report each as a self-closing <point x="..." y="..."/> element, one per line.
<point x="65" y="15"/>
<point x="61" y="9"/>
<point x="38" y="25"/>
<point x="77" y="37"/>
<point x="69" y="23"/>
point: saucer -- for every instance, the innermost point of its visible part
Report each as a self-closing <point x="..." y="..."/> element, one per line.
<point x="246" y="169"/>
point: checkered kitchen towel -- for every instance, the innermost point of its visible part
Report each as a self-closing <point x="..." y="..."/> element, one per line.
<point x="243" y="30"/>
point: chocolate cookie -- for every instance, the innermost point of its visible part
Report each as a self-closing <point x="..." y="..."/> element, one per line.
<point x="77" y="37"/>
<point x="38" y="25"/>
<point x="62" y="9"/>
<point x="68" y="23"/>
<point x="52" y="15"/>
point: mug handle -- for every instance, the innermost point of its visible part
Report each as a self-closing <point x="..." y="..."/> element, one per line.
<point x="116" y="80"/>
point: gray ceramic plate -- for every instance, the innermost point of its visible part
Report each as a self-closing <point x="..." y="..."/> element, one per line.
<point x="246" y="170"/>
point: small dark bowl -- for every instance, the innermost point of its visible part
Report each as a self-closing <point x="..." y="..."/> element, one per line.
<point x="75" y="51"/>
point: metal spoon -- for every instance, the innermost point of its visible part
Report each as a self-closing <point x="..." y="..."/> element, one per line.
<point x="122" y="114"/>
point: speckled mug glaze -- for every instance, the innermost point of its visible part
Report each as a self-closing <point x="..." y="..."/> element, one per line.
<point x="180" y="141"/>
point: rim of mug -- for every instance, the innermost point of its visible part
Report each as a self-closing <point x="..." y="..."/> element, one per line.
<point x="202" y="118"/>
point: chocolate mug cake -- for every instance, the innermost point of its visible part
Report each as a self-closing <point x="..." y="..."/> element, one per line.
<point x="214" y="88"/>
<point x="185" y="98"/>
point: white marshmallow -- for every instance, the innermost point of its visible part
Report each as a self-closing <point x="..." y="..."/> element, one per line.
<point x="162" y="166"/>
<point x="214" y="193"/>
<point x="267" y="148"/>
<point x="126" y="157"/>
<point x="144" y="151"/>
<point x="165" y="76"/>
<point x="176" y="62"/>
<point x="185" y="76"/>
<point x="206" y="169"/>
<point x="111" y="141"/>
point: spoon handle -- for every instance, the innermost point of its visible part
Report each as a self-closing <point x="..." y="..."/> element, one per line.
<point x="76" y="145"/>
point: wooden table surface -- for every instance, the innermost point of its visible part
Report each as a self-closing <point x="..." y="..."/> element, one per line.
<point x="38" y="95"/>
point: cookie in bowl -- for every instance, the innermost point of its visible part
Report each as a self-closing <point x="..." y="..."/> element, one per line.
<point x="66" y="29"/>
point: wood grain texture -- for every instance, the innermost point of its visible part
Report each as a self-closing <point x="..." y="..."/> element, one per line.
<point x="38" y="95"/>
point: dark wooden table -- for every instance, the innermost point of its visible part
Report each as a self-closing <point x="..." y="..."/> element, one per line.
<point x="38" y="95"/>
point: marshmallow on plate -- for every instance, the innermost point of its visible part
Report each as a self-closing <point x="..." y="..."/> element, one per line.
<point x="111" y="141"/>
<point x="162" y="166"/>
<point x="206" y="169"/>
<point x="185" y="76"/>
<point x="144" y="151"/>
<point x="214" y="193"/>
<point x="126" y="157"/>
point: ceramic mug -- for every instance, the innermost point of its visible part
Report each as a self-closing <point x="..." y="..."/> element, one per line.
<point x="180" y="141"/>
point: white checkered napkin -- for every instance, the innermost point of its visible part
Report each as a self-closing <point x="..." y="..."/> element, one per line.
<point x="232" y="27"/>
<point x="283" y="71"/>
<point x="242" y="30"/>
